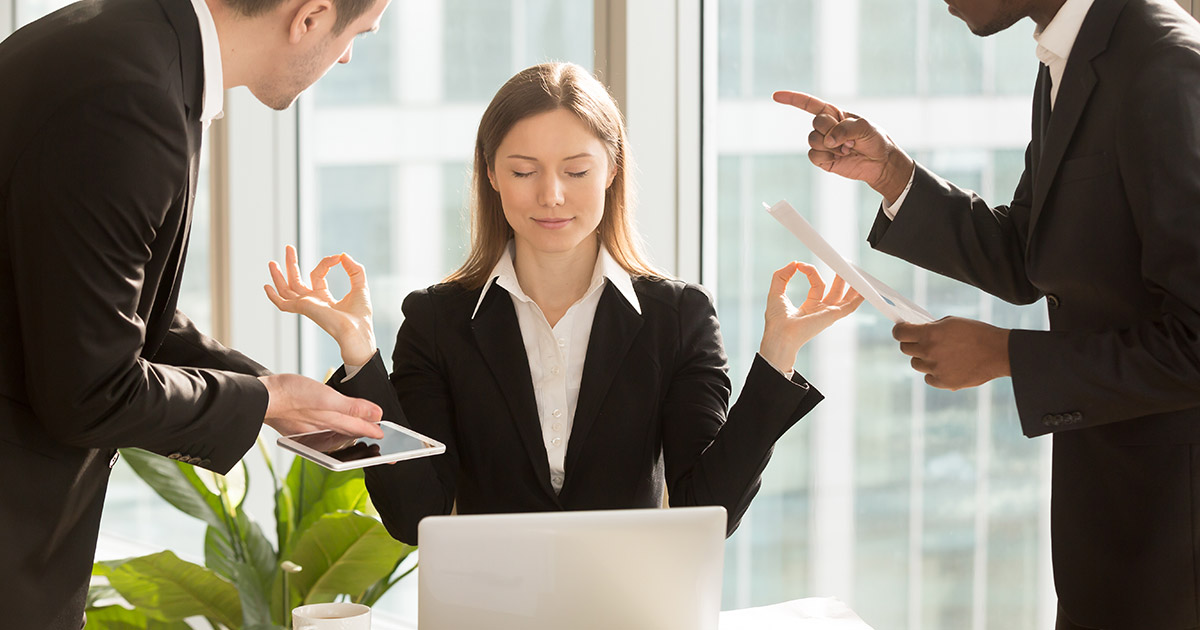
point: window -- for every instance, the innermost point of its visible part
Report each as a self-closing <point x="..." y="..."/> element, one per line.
<point x="922" y="508"/>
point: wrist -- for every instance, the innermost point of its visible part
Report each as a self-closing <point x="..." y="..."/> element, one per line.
<point x="1003" y="364"/>
<point x="777" y="357"/>
<point x="897" y="172"/>
<point x="358" y="345"/>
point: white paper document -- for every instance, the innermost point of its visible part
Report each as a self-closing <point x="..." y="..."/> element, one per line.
<point x="889" y="301"/>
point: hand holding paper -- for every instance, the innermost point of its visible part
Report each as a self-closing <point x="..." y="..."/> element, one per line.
<point x="955" y="353"/>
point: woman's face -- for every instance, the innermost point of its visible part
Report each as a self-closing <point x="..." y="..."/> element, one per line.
<point x="551" y="172"/>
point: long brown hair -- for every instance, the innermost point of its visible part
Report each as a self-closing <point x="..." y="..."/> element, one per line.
<point x="535" y="90"/>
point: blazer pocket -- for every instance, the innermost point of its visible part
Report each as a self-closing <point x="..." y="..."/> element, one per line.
<point x="1085" y="167"/>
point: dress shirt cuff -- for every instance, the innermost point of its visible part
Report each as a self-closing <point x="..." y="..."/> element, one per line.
<point x="891" y="210"/>
<point x="788" y="374"/>
<point x="351" y="370"/>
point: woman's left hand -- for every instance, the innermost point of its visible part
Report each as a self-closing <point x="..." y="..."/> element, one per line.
<point x="787" y="327"/>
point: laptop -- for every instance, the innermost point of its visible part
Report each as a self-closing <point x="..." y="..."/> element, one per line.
<point x="655" y="569"/>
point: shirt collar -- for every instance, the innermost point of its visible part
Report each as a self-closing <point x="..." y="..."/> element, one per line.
<point x="1058" y="38"/>
<point x="505" y="275"/>
<point x="214" y="88"/>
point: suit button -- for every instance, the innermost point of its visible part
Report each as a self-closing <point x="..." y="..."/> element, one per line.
<point x="1052" y="300"/>
<point x="1048" y="420"/>
<point x="1077" y="416"/>
<point x="205" y="462"/>
<point x="174" y="456"/>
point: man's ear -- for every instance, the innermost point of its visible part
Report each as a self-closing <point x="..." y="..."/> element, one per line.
<point x="310" y="16"/>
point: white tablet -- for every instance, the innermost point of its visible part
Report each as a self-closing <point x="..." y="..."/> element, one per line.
<point x="883" y="297"/>
<point x="340" y="452"/>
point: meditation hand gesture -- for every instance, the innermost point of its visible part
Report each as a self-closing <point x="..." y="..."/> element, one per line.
<point x="787" y="327"/>
<point x="848" y="145"/>
<point x="347" y="320"/>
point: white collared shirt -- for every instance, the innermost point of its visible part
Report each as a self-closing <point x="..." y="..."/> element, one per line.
<point x="1054" y="48"/>
<point x="556" y="354"/>
<point x="213" y="98"/>
<point x="1054" y="43"/>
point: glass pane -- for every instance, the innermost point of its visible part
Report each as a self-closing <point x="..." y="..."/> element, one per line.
<point x="385" y="173"/>
<point x="929" y="514"/>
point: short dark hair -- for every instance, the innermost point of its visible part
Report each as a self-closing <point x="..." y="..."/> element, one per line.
<point x="346" y="10"/>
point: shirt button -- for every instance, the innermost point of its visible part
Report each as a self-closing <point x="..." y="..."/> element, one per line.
<point x="562" y="343"/>
<point x="556" y="441"/>
<point x="557" y="413"/>
<point x="557" y="426"/>
<point x="558" y="480"/>
<point x="554" y="370"/>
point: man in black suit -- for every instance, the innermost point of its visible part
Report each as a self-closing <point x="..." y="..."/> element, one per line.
<point x="103" y="107"/>
<point x="1105" y="224"/>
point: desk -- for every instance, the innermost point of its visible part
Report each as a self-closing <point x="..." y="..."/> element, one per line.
<point x="813" y="613"/>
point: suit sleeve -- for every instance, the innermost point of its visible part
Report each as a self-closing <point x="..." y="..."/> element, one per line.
<point x="87" y="200"/>
<point x="186" y="346"/>
<point x="712" y="459"/>
<point x="978" y="244"/>
<point x="1153" y="365"/>
<point x="416" y="396"/>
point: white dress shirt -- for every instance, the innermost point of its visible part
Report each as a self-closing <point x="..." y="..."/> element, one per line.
<point x="556" y="353"/>
<point x="213" y="98"/>
<point x="1054" y="44"/>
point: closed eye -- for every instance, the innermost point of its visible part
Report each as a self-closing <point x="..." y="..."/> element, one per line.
<point x="520" y="174"/>
<point x="579" y="174"/>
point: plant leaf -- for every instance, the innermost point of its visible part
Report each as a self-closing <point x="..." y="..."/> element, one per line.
<point x="170" y="589"/>
<point x="178" y="484"/>
<point x="315" y="491"/>
<point x="119" y="618"/>
<point x="231" y="487"/>
<point x="343" y="553"/>
<point x="253" y="577"/>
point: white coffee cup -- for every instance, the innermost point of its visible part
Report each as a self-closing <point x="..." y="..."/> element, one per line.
<point x="335" y="616"/>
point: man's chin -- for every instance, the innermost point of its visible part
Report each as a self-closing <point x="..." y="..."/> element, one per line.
<point x="277" y="102"/>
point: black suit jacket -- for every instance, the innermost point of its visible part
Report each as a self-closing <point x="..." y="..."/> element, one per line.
<point x="651" y="410"/>
<point x="99" y="136"/>
<point x="1106" y="224"/>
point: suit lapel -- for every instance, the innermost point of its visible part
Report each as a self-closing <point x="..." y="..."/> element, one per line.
<point x="1078" y="81"/>
<point x="498" y="335"/>
<point x="615" y="327"/>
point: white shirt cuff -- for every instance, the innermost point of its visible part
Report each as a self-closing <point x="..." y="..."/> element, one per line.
<point x="788" y="374"/>
<point x="891" y="210"/>
<point x="351" y="370"/>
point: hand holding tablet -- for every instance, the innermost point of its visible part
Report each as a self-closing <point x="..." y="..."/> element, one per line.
<point x="340" y="452"/>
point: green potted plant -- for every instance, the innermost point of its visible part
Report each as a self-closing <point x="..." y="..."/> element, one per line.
<point x="331" y="546"/>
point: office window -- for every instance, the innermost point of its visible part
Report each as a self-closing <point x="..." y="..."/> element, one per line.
<point x="922" y="508"/>
<point x="387" y="178"/>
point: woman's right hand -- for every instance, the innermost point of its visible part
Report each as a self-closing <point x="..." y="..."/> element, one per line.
<point x="347" y="320"/>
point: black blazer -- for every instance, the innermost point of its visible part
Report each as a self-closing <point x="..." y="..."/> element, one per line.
<point x="99" y="140"/>
<point x="652" y="410"/>
<point x="1106" y="224"/>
